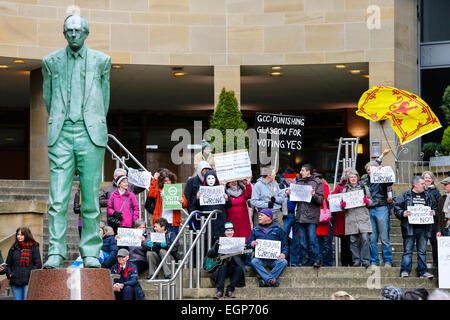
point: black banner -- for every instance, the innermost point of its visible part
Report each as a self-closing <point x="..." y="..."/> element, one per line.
<point x="288" y="128"/>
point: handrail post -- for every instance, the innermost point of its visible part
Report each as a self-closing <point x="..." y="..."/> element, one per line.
<point x="191" y="259"/>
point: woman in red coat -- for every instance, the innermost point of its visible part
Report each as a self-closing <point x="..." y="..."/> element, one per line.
<point x="322" y="231"/>
<point x="339" y="225"/>
<point x="239" y="192"/>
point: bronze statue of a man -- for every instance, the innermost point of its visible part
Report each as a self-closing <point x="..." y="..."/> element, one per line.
<point x="76" y="94"/>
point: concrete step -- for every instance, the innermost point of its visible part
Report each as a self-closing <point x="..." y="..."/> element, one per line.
<point x="24" y="183"/>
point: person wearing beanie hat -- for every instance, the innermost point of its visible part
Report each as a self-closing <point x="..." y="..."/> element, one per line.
<point x="267" y="229"/>
<point x="233" y="268"/>
<point x="391" y="293"/>
<point x="204" y="155"/>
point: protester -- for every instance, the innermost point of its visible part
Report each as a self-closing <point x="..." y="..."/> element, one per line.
<point x="217" y="228"/>
<point x="150" y="202"/>
<point x="204" y="155"/>
<point x="156" y="251"/>
<point x="156" y="191"/>
<point x="431" y="187"/>
<point x="341" y="295"/>
<point x="307" y="217"/>
<point x="267" y="229"/>
<point x="414" y="233"/>
<point x="23" y="257"/>
<point x="106" y="193"/>
<point x="339" y="224"/>
<point x="266" y="194"/>
<point x="239" y="192"/>
<point x="77" y="209"/>
<point x="233" y="268"/>
<point x="357" y="222"/>
<point x="290" y="177"/>
<point x="443" y="218"/>
<point x="127" y="287"/>
<point x="193" y="185"/>
<point x="109" y="246"/>
<point x="379" y="215"/>
<point x="324" y="231"/>
<point x="413" y="295"/>
<point x="138" y="254"/>
<point x="391" y="293"/>
<point x="122" y="204"/>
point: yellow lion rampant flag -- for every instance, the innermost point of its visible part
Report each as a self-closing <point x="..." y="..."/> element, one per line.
<point x="410" y="116"/>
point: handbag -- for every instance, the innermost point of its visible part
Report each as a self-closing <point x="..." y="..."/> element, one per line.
<point x="113" y="221"/>
<point x="325" y="213"/>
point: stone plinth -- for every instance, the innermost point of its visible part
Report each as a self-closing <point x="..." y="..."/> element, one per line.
<point x="70" y="284"/>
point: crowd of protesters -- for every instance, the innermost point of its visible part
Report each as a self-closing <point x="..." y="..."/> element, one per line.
<point x="257" y="211"/>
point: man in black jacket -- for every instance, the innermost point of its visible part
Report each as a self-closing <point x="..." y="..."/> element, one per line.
<point x="414" y="233"/>
<point x="379" y="216"/>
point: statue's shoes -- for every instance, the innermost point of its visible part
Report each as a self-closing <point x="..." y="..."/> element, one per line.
<point x="91" y="262"/>
<point x="54" y="261"/>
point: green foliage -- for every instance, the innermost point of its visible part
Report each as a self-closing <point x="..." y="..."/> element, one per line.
<point x="228" y="116"/>
<point x="429" y="149"/>
<point x="446" y="106"/>
<point x="445" y="143"/>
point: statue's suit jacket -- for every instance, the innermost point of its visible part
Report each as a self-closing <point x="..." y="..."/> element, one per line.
<point x="96" y="96"/>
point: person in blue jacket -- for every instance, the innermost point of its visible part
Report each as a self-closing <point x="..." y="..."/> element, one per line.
<point x="127" y="287"/>
<point x="269" y="230"/>
<point x="109" y="246"/>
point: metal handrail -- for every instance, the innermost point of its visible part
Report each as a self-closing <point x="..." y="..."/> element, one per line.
<point x="181" y="264"/>
<point x="7" y="237"/>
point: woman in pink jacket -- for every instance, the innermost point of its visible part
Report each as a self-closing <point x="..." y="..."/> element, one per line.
<point x="130" y="211"/>
<point x="239" y="193"/>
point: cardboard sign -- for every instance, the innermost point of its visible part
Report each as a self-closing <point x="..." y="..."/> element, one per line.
<point x="139" y="178"/>
<point x="212" y="195"/>
<point x="420" y="215"/>
<point x="129" y="237"/>
<point x="158" y="237"/>
<point x="232" y="166"/>
<point x="444" y="262"/>
<point x="280" y="131"/>
<point x="229" y="245"/>
<point x="267" y="249"/>
<point x="300" y="192"/>
<point x="172" y="196"/>
<point x="335" y="201"/>
<point x="382" y="175"/>
<point x="353" y="199"/>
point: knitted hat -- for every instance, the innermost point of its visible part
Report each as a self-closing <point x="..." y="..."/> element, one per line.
<point x="267" y="212"/>
<point x="391" y="293"/>
<point x="289" y="173"/>
<point x="119" y="179"/>
<point x="205" y="144"/>
<point x="229" y="225"/>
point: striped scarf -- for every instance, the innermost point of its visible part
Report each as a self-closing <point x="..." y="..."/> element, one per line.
<point x="26" y="253"/>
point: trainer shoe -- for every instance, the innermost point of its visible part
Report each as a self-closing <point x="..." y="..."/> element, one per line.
<point x="404" y="275"/>
<point x="218" y="295"/>
<point x="388" y="265"/>
<point x="262" y="283"/>
<point x="427" y="275"/>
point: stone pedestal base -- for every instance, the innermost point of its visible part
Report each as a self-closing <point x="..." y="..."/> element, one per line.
<point x="70" y="284"/>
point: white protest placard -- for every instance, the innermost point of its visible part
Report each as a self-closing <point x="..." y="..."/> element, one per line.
<point x="420" y="215"/>
<point x="335" y="201"/>
<point x="139" y="178"/>
<point x="129" y="237"/>
<point x="353" y="199"/>
<point x="229" y="245"/>
<point x="158" y="237"/>
<point x="233" y="165"/>
<point x="300" y="192"/>
<point x="212" y="195"/>
<point x="382" y="175"/>
<point x="444" y="262"/>
<point x="267" y="249"/>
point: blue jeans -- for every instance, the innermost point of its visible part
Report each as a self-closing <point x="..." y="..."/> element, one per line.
<point x="408" y="244"/>
<point x="360" y="256"/>
<point x="19" y="292"/>
<point x="288" y="225"/>
<point x="309" y="242"/>
<point x="127" y="293"/>
<point x="277" y="267"/>
<point x="297" y="253"/>
<point x="379" y="217"/>
<point x="326" y="246"/>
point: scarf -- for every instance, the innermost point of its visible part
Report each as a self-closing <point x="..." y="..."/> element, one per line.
<point x="26" y="253"/>
<point x="234" y="192"/>
<point x="447" y="206"/>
